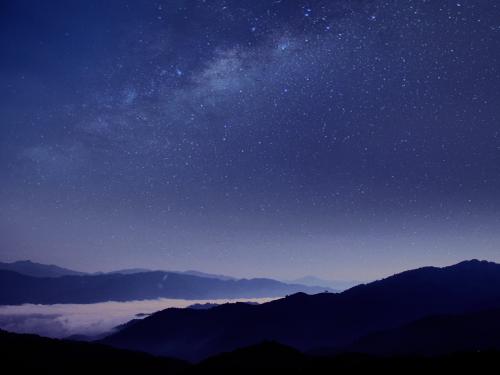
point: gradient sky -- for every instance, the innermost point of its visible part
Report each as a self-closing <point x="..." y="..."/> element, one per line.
<point x="347" y="139"/>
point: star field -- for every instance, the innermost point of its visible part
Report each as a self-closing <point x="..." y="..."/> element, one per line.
<point x="342" y="138"/>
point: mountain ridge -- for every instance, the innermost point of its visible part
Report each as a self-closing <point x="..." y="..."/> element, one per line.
<point x="435" y="335"/>
<point x="307" y="322"/>
<point x="31" y="352"/>
<point x="34" y="354"/>
<point x="135" y="286"/>
<point x="29" y="268"/>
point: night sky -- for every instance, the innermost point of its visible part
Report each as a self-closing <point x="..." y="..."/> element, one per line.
<point x="347" y="139"/>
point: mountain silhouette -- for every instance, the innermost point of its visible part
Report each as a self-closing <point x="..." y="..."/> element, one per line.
<point x="29" y="268"/>
<point x="135" y="286"/>
<point x="127" y="271"/>
<point x="436" y="335"/>
<point x="266" y="356"/>
<point x="271" y="357"/>
<point x="335" y="285"/>
<point x="211" y="275"/>
<point x="23" y="353"/>
<point x="326" y="320"/>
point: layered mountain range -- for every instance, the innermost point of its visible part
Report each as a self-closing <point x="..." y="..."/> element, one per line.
<point x="378" y="317"/>
<point x="27" y="282"/>
<point x="423" y="312"/>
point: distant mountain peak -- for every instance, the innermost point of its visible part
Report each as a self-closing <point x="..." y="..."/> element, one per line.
<point x="29" y="268"/>
<point x="40" y="285"/>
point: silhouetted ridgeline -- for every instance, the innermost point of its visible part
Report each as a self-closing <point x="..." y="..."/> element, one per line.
<point x="30" y="268"/>
<point x="308" y="323"/>
<point x="135" y="286"/>
<point x="270" y="357"/>
<point x="33" y="354"/>
<point x="436" y="335"/>
<point x="23" y="353"/>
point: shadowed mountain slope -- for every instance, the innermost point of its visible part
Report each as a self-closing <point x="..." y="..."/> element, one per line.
<point x="274" y="358"/>
<point x="25" y="353"/>
<point x="323" y="320"/>
<point x="436" y="335"/>
<point x="34" y="354"/>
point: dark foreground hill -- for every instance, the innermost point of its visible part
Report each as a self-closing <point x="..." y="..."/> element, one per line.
<point x="319" y="321"/>
<point x="135" y="286"/>
<point x="436" y="335"/>
<point x="274" y="358"/>
<point x="36" y="355"/>
<point x="25" y="354"/>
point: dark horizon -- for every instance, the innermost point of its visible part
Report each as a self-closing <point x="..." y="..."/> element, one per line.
<point x="345" y="139"/>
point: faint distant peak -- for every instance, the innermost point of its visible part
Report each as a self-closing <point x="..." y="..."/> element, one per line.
<point x="335" y="285"/>
<point x="29" y="268"/>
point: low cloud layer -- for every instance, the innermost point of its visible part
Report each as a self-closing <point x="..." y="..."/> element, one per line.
<point x="63" y="320"/>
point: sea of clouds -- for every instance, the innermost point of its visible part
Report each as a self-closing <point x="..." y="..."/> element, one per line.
<point x="96" y="319"/>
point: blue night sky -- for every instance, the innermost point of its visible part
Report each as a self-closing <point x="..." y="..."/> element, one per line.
<point x="347" y="139"/>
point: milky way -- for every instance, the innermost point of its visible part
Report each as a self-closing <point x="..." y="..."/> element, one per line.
<point x="347" y="139"/>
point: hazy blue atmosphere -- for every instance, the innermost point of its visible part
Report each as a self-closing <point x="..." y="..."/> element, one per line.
<point x="345" y="139"/>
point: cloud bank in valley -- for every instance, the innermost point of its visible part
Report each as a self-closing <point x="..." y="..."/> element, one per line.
<point x="63" y="320"/>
